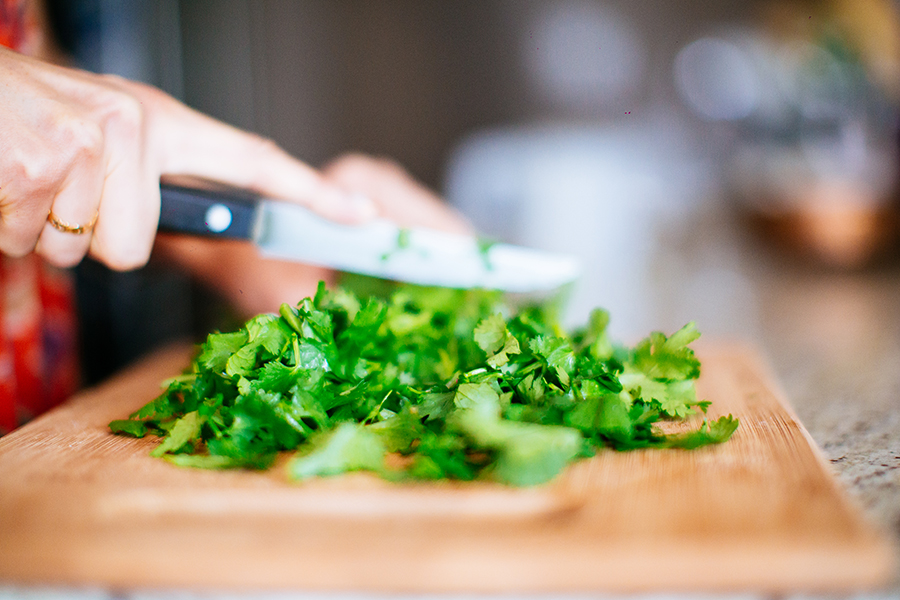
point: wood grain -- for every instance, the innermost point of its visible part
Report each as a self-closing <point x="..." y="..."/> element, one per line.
<point x="761" y="512"/>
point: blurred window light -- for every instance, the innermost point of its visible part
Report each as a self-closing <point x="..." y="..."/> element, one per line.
<point x="717" y="79"/>
<point x="579" y="53"/>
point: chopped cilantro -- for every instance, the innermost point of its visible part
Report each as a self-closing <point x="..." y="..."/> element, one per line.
<point x="484" y="251"/>
<point x="401" y="244"/>
<point x="440" y="377"/>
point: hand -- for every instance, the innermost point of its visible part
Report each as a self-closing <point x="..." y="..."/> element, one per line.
<point x="91" y="148"/>
<point x="398" y="197"/>
<point x="255" y="285"/>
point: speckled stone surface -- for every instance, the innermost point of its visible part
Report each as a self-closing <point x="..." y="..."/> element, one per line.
<point x="836" y="350"/>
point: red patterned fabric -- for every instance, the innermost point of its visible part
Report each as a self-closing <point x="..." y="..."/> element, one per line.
<point x="13" y="21"/>
<point x="38" y="364"/>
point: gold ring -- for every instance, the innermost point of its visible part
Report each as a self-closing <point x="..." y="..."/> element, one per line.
<point x="61" y="225"/>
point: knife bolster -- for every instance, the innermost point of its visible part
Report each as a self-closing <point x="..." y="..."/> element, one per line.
<point x="208" y="213"/>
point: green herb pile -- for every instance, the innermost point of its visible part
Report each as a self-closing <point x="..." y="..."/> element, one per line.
<point x="439" y="380"/>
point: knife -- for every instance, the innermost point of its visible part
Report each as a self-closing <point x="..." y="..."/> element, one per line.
<point x="379" y="247"/>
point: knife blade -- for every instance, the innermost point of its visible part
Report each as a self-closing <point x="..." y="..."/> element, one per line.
<point x="378" y="248"/>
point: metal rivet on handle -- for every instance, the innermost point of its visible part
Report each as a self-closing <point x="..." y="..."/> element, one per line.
<point x="218" y="218"/>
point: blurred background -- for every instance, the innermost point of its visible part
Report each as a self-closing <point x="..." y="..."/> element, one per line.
<point x="732" y="162"/>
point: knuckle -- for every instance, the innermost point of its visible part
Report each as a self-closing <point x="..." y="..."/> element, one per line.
<point x="63" y="260"/>
<point x="135" y="89"/>
<point x="389" y="165"/>
<point x="267" y="154"/>
<point x="81" y="137"/>
<point x="264" y="146"/>
<point x="351" y="163"/>
<point x="30" y="170"/>
<point x="123" y="112"/>
<point x="356" y="165"/>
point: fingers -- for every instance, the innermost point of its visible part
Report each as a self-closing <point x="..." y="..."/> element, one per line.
<point x="72" y="146"/>
<point x="399" y="197"/>
<point x="75" y="202"/>
<point x="50" y="162"/>
<point x="194" y="144"/>
<point x="25" y="197"/>
<point x="65" y="239"/>
<point x="108" y="201"/>
<point x="129" y="208"/>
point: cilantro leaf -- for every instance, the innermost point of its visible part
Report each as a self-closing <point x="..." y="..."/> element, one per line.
<point x="494" y="338"/>
<point x="476" y="395"/>
<point x="219" y="347"/>
<point x="185" y="430"/>
<point x="136" y="429"/>
<point x="557" y="354"/>
<point x="714" y="432"/>
<point x="350" y="447"/>
<point x="525" y="453"/>
<point x="664" y="357"/>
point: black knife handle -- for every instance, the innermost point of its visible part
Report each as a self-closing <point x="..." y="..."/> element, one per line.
<point x="218" y="213"/>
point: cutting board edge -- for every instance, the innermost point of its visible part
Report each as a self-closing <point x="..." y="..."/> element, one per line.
<point x="450" y="577"/>
<point x="753" y="353"/>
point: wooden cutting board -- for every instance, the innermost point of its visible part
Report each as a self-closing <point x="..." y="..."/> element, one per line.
<point x="761" y="512"/>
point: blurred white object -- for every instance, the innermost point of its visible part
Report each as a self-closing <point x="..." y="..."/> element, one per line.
<point x="604" y="194"/>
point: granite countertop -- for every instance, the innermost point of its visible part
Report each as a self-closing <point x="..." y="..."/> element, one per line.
<point x="834" y="341"/>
